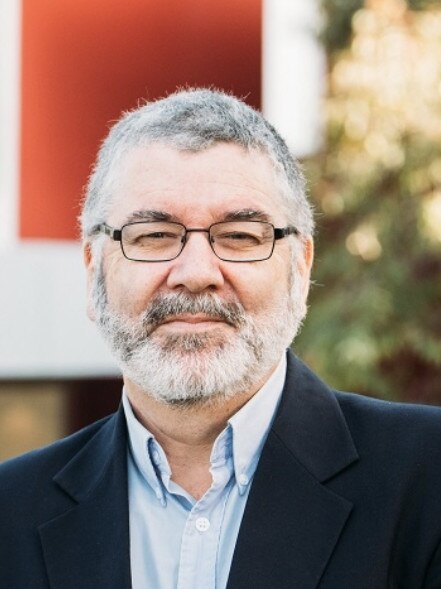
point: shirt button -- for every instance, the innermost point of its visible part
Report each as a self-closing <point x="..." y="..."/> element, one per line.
<point x="243" y="479"/>
<point x="202" y="524"/>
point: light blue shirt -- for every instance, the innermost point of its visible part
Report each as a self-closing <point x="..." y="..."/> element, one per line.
<point x="177" y="542"/>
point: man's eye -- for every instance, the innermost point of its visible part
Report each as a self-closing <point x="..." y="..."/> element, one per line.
<point x="240" y="237"/>
<point x="153" y="239"/>
<point x="157" y="235"/>
<point x="236" y="235"/>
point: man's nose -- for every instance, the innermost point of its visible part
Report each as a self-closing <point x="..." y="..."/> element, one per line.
<point x="197" y="268"/>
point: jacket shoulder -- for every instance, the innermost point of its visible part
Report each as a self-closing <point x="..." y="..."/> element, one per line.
<point x="34" y="467"/>
<point x="405" y="425"/>
<point x="352" y="402"/>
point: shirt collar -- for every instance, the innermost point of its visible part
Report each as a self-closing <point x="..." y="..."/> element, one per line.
<point x="140" y="443"/>
<point x="246" y="433"/>
<point x="251" y="424"/>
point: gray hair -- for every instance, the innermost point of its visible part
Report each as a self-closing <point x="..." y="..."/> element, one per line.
<point x="194" y="120"/>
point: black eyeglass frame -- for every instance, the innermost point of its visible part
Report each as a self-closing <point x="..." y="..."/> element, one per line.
<point x="116" y="235"/>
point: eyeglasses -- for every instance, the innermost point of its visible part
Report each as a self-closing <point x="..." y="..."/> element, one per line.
<point x="162" y="241"/>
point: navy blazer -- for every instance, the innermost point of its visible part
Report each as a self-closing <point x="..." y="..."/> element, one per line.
<point x="347" y="495"/>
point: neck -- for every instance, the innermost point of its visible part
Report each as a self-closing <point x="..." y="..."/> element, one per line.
<point x="187" y="432"/>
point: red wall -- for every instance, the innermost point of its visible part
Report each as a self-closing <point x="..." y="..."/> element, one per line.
<point x="84" y="61"/>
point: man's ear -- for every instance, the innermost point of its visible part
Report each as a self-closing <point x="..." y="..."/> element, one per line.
<point x="89" y="263"/>
<point x="305" y="261"/>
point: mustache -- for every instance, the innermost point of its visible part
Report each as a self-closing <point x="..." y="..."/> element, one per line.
<point x="162" y="307"/>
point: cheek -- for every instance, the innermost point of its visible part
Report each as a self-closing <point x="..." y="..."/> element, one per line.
<point x="131" y="287"/>
<point x="262" y="285"/>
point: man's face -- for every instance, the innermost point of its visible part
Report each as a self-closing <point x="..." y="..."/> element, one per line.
<point x="222" y="325"/>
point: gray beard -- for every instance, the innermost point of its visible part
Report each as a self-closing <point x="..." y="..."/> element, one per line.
<point x="193" y="368"/>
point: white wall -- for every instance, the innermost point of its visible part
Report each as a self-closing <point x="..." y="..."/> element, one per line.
<point x="10" y="15"/>
<point x="293" y="72"/>
<point x="44" y="330"/>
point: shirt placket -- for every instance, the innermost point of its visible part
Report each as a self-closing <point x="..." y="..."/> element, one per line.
<point x="200" y="540"/>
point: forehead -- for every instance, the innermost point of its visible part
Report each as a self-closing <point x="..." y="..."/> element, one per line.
<point x="205" y="185"/>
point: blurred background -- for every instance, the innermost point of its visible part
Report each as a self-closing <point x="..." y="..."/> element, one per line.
<point x="355" y="88"/>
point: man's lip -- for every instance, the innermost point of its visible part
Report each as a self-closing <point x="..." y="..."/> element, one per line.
<point x="189" y="318"/>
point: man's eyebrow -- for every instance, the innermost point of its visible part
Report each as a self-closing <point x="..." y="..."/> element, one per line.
<point x="148" y="215"/>
<point x="247" y="215"/>
<point x="238" y="215"/>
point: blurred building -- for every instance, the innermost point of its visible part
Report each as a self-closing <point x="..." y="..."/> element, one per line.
<point x="66" y="70"/>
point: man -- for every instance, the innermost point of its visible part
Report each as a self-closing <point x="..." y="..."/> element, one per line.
<point x="229" y="464"/>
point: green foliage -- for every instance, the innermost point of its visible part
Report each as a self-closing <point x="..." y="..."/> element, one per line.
<point x="374" y="324"/>
<point x="338" y="16"/>
<point x="422" y="4"/>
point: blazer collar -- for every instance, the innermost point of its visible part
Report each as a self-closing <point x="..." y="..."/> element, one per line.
<point x="311" y="423"/>
<point x="292" y="521"/>
<point x="87" y="546"/>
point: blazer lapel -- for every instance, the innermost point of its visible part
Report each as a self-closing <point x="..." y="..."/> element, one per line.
<point x="292" y="522"/>
<point x="88" y="545"/>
